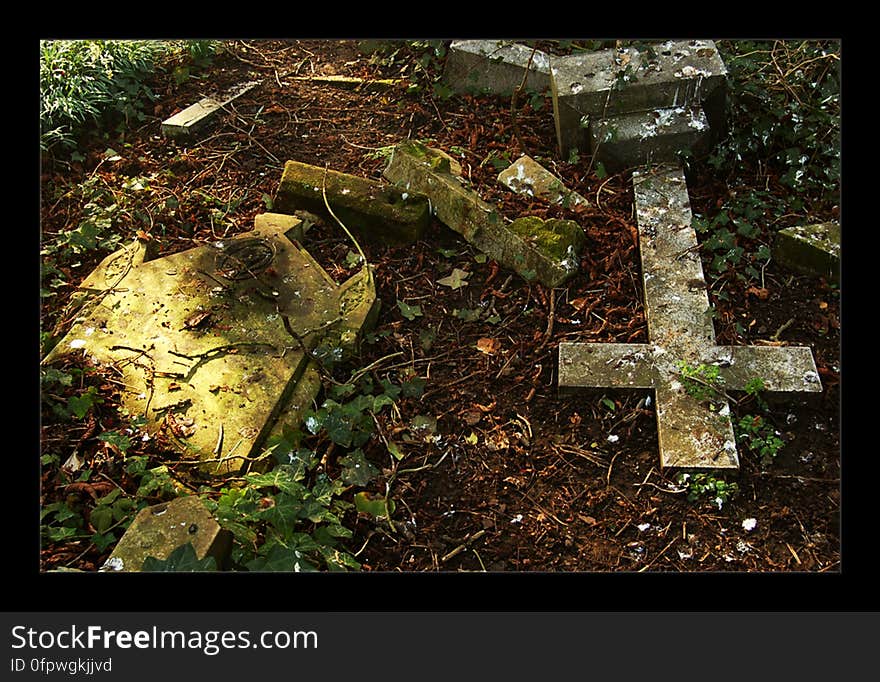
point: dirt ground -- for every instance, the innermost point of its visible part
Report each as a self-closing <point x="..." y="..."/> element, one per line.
<point x="518" y="478"/>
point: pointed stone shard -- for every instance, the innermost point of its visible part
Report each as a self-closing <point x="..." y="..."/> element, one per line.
<point x="162" y="528"/>
<point x="211" y="343"/>
<point x="680" y="329"/>
<point x="527" y="176"/>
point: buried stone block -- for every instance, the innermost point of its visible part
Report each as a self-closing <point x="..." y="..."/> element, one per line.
<point x="495" y="67"/>
<point x="186" y="122"/>
<point x="212" y="342"/>
<point x="657" y="136"/>
<point x="367" y="207"/>
<point x="527" y="176"/>
<point x="162" y="528"/>
<point x="535" y="249"/>
<point x="590" y="87"/>
<point x="810" y="249"/>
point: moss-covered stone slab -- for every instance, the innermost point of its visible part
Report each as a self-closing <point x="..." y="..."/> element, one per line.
<point x="211" y="343"/>
<point x="527" y="176"/>
<point x="495" y="67"/>
<point x="651" y="137"/>
<point x="160" y="529"/>
<point x="185" y="123"/>
<point x="593" y="86"/>
<point x="548" y="252"/>
<point x="366" y="207"/>
<point x="810" y="249"/>
<point x="690" y="435"/>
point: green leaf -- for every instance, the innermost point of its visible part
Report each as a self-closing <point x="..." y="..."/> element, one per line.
<point x="607" y="402"/>
<point x="373" y="506"/>
<point x="447" y="253"/>
<point x="357" y="469"/>
<point x="395" y="451"/>
<point x="267" y="202"/>
<point x="601" y="173"/>
<point x="467" y="315"/>
<point x="181" y="560"/>
<point x="81" y="404"/>
<point x="103" y="541"/>
<point x="410" y="312"/>
<point x="413" y="388"/>
<point x="456" y="280"/>
<point x="119" y="441"/>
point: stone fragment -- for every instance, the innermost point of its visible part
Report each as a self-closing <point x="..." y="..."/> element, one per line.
<point x="160" y="529"/>
<point x="650" y="137"/>
<point x="353" y="83"/>
<point x="810" y="249"/>
<point x="593" y="86"/>
<point x="195" y="116"/>
<point x="690" y="435"/>
<point x="495" y="67"/>
<point x="366" y="207"/>
<point x="527" y="176"/>
<point x="547" y="251"/>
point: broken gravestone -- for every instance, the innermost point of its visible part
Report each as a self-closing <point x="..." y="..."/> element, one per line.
<point x="547" y="251"/>
<point x="810" y="249"/>
<point x="159" y="530"/>
<point x="690" y="435"/>
<point x="495" y="67"/>
<point x="623" y="102"/>
<point x="212" y="344"/>
<point x="527" y="176"/>
<point x="195" y="116"/>
<point x="364" y="206"/>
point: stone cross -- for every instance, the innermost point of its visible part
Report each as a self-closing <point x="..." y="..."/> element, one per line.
<point x="691" y="436"/>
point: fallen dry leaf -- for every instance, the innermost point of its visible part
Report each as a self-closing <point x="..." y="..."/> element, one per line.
<point x="488" y="346"/>
<point x="762" y="294"/>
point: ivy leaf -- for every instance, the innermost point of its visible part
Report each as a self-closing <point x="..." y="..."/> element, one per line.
<point x="373" y="506"/>
<point x="410" y="312"/>
<point x="181" y="560"/>
<point x="456" y="280"/>
<point x="357" y="469"/>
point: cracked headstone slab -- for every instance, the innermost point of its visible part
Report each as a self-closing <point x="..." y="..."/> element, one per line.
<point x="593" y="86"/>
<point x="158" y="530"/>
<point x="195" y="116"/>
<point x="810" y="249"/>
<point x="366" y="207"/>
<point x="211" y="342"/>
<point x="649" y="137"/>
<point x="680" y="329"/>
<point x="495" y="67"/>
<point x="527" y="176"/>
<point x="547" y="251"/>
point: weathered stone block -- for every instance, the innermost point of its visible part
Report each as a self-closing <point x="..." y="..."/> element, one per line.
<point x="810" y="249"/>
<point x="495" y="67"/>
<point x="366" y="207"/>
<point x="594" y="86"/>
<point x="546" y="252"/>
<point x="656" y="136"/>
<point x="527" y="176"/>
<point x="158" y="530"/>
<point x="186" y="122"/>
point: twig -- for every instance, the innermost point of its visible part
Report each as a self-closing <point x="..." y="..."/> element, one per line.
<point x="781" y="329"/>
<point x="662" y="552"/>
<point x="513" y="101"/>
<point x="462" y="546"/>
